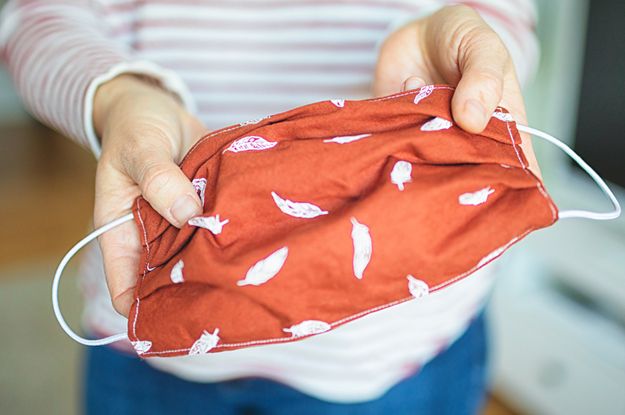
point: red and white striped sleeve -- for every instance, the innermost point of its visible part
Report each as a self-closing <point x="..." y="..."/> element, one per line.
<point x="58" y="53"/>
<point x="513" y="20"/>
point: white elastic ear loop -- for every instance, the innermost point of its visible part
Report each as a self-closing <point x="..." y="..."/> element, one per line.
<point x="57" y="279"/>
<point x="604" y="187"/>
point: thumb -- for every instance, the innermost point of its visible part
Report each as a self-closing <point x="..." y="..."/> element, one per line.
<point x="483" y="61"/>
<point x="165" y="187"/>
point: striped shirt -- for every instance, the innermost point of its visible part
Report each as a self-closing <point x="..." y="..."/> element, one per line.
<point x="230" y="61"/>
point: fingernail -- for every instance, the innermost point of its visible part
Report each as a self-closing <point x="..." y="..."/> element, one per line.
<point x="475" y="111"/>
<point x="184" y="208"/>
<point x="413" y="82"/>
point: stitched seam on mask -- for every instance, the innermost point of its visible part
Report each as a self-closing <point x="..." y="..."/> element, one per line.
<point x="475" y="268"/>
<point x="539" y="185"/>
<point x="403" y="94"/>
<point x="362" y="313"/>
<point x="145" y="238"/>
<point x="544" y="193"/>
<point x="206" y="137"/>
<point x="145" y="270"/>
<point x="192" y="149"/>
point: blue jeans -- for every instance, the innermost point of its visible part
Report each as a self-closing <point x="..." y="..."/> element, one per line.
<point x="453" y="383"/>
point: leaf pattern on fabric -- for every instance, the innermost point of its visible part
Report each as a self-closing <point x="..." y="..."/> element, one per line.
<point x="205" y="343"/>
<point x="250" y="143"/>
<point x="297" y="209"/>
<point x="503" y="116"/>
<point x="212" y="223"/>
<point x="176" y="273"/>
<point x="141" y="346"/>
<point x="338" y="102"/>
<point x="436" y="124"/>
<point x="424" y="92"/>
<point x="417" y="288"/>
<point x="308" y="327"/>
<point x="346" y="138"/>
<point x="200" y="188"/>
<point x="475" y="198"/>
<point x="362" y="247"/>
<point x="401" y="174"/>
<point x="265" y="269"/>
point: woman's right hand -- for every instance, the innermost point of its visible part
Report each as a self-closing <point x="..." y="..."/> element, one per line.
<point x="145" y="132"/>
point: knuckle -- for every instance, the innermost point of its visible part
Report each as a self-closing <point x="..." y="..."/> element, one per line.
<point x="491" y="81"/>
<point x="482" y="37"/>
<point x="490" y="87"/>
<point x="154" y="178"/>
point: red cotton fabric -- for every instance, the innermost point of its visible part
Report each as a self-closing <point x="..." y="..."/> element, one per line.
<point x="325" y="213"/>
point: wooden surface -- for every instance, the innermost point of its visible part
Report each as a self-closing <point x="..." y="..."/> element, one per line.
<point x="46" y="193"/>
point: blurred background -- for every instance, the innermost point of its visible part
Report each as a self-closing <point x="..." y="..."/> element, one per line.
<point x="557" y="314"/>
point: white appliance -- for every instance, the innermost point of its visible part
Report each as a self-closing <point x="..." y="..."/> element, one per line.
<point x="558" y="312"/>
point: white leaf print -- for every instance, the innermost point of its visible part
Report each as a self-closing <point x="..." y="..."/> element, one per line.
<point x="491" y="256"/>
<point x="417" y="288"/>
<point x="475" y="198"/>
<point x="346" y="138"/>
<point x="436" y="124"/>
<point x="205" y="343"/>
<point x="176" y="273"/>
<point x="200" y="187"/>
<point x="297" y="209"/>
<point x="250" y="143"/>
<point x="338" y="102"/>
<point x="142" y="346"/>
<point x="400" y="174"/>
<point x="503" y="116"/>
<point x="424" y="92"/>
<point x="254" y="121"/>
<point x="308" y="327"/>
<point x="362" y="247"/>
<point x="212" y="223"/>
<point x="265" y="269"/>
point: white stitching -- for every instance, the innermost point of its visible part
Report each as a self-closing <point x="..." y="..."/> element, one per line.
<point x="403" y="94"/>
<point x="145" y="270"/>
<point x="531" y="175"/>
<point x="399" y="95"/>
<point x="145" y="236"/>
<point x="357" y="315"/>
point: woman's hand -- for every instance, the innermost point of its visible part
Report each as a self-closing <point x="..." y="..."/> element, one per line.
<point x="145" y="132"/>
<point x="455" y="46"/>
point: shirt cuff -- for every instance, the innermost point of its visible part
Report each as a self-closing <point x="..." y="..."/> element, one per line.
<point x="168" y="80"/>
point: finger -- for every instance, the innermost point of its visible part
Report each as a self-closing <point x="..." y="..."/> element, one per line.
<point x="396" y="64"/>
<point x="164" y="185"/>
<point x="121" y="250"/>
<point x="413" y="82"/>
<point x="483" y="62"/>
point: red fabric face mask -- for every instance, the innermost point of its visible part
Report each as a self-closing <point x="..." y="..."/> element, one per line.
<point x="323" y="214"/>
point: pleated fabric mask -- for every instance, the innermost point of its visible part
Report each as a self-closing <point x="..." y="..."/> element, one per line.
<point x="325" y="213"/>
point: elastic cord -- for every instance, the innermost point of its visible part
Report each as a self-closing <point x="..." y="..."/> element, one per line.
<point x="565" y="214"/>
<point x="57" y="279"/>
